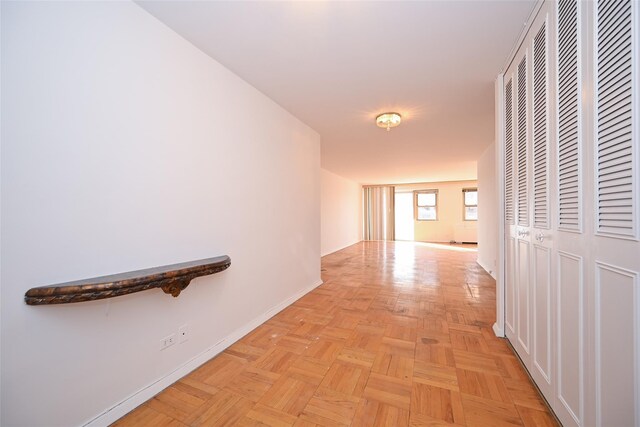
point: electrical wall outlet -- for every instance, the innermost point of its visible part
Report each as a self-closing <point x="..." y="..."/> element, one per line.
<point x="183" y="333"/>
<point x="167" y="341"/>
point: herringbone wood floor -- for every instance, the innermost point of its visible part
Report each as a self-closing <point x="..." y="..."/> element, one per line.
<point x="399" y="334"/>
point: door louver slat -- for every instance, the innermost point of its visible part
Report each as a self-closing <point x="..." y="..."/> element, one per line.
<point x="570" y="200"/>
<point x="614" y="110"/>
<point x="540" y="136"/>
<point x="523" y="201"/>
<point x="508" y="157"/>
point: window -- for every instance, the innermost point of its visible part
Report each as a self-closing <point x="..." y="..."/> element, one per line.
<point x="426" y="205"/>
<point x="470" y="201"/>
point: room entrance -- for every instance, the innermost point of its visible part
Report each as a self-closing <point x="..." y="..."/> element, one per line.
<point x="404" y="215"/>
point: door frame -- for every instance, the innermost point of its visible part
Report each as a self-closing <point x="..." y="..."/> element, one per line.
<point x="498" y="327"/>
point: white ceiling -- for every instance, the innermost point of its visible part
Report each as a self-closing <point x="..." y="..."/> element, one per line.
<point x="336" y="65"/>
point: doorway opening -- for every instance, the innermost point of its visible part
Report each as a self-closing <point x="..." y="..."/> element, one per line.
<point x="404" y="216"/>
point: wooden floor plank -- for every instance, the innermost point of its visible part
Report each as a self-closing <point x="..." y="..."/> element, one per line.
<point x="436" y="402"/>
<point x="224" y="408"/>
<point x="329" y="408"/>
<point x="389" y="390"/>
<point x="289" y="395"/>
<point x="252" y="383"/>
<point x="371" y="413"/>
<point x="346" y="378"/>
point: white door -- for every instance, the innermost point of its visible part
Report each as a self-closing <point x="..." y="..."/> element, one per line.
<point x="572" y="242"/>
<point x="510" y="231"/>
<point x="541" y="366"/>
<point x="517" y="224"/>
<point x="613" y="325"/>
<point x="523" y="220"/>
<point x="528" y="245"/>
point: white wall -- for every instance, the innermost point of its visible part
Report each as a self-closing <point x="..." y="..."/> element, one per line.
<point x="125" y="147"/>
<point x="488" y="211"/>
<point x="340" y="212"/>
<point x="450" y="224"/>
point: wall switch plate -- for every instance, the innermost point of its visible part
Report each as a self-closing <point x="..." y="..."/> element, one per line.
<point x="167" y="341"/>
<point x="183" y="333"/>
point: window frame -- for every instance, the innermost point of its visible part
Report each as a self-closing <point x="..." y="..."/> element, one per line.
<point x="416" y="206"/>
<point x="464" y="203"/>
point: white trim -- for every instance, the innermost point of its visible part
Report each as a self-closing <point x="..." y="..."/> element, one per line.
<point x="331" y="251"/>
<point x="635" y="122"/>
<point x="635" y="133"/>
<point x="499" y="326"/>
<point x="498" y="331"/>
<point x="523" y="35"/>
<point x="122" y="408"/>
<point x="487" y="269"/>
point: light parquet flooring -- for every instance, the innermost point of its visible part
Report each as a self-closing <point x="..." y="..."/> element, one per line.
<point x="399" y="334"/>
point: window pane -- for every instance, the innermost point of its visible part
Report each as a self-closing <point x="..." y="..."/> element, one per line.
<point x="426" y="199"/>
<point x="471" y="214"/>
<point x="471" y="198"/>
<point x="426" y="213"/>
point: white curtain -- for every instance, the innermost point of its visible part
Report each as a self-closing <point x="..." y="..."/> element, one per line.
<point x="379" y="213"/>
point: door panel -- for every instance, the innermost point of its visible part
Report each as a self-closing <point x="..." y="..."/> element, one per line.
<point x="510" y="291"/>
<point x="615" y="148"/>
<point x="509" y="211"/>
<point x="569" y="148"/>
<point x="542" y="316"/>
<point x="616" y="330"/>
<point x="614" y="327"/>
<point x="540" y="129"/>
<point x="569" y="344"/>
<point x="523" y="144"/>
<point x="523" y="309"/>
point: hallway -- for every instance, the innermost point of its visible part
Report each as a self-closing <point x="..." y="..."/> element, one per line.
<point x="398" y="334"/>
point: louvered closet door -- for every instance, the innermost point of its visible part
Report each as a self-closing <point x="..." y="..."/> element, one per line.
<point x="541" y="365"/>
<point x="523" y="221"/>
<point x="517" y="207"/>
<point x="571" y="243"/>
<point x="510" y="187"/>
<point x="518" y="203"/>
<point x="528" y="187"/>
<point x="614" y="327"/>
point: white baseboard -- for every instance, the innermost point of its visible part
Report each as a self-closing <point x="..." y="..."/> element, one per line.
<point x="498" y="331"/>
<point x="138" y="398"/>
<point x="491" y="273"/>
<point x="341" y="248"/>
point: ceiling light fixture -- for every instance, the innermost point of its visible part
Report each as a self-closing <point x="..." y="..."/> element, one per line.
<point x="388" y="120"/>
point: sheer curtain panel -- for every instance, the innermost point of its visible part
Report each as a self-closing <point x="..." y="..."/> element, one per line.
<point x="379" y="213"/>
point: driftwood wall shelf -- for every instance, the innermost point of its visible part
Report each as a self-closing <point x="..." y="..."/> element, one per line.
<point x="172" y="279"/>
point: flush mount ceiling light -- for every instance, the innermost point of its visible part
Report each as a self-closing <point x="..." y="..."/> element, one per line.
<point x="388" y="120"/>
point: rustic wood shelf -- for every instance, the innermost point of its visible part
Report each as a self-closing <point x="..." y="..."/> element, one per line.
<point x="172" y="279"/>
